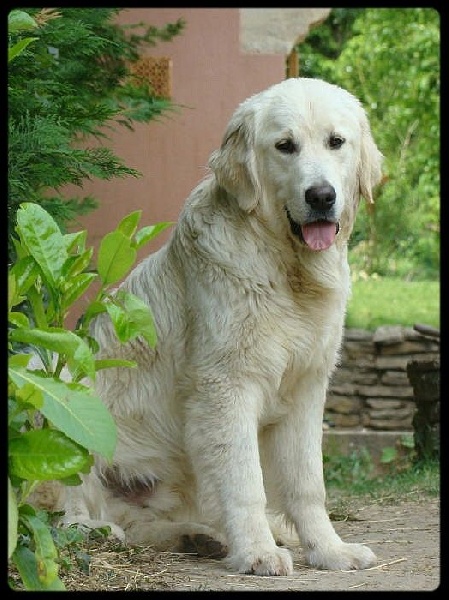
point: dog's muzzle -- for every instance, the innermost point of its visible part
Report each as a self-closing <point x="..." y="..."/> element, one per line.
<point x="319" y="230"/>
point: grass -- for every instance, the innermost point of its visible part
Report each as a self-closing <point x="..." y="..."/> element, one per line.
<point x="378" y="301"/>
<point x="350" y="476"/>
<point x="420" y="482"/>
<point x="423" y="477"/>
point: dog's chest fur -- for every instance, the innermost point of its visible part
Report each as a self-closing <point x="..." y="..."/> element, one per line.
<point x="301" y="323"/>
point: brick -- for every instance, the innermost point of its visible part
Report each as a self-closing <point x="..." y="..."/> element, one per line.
<point x="405" y="348"/>
<point x="357" y="335"/>
<point x="388" y="334"/>
<point x="379" y="404"/>
<point x="343" y="404"/>
<point x="385" y="391"/>
<point x="341" y="420"/>
<point x="395" y="378"/>
<point x="345" y="389"/>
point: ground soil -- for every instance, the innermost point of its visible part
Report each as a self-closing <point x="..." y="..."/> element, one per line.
<point x="404" y="533"/>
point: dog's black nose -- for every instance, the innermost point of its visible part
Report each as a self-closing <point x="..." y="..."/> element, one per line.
<point x="321" y="197"/>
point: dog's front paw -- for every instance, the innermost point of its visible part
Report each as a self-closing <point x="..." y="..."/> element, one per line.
<point x="342" y="557"/>
<point x="272" y="561"/>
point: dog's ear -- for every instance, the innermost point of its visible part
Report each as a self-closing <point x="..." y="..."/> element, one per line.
<point x="370" y="163"/>
<point x="234" y="164"/>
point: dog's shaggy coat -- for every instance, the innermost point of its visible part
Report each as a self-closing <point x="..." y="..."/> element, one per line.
<point x="220" y="427"/>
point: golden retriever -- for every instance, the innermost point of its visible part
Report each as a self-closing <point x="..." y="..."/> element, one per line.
<point x="220" y="427"/>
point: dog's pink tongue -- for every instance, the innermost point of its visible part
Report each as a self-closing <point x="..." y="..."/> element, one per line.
<point x="319" y="235"/>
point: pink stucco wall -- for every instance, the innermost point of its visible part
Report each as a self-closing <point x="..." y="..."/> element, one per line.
<point x="211" y="76"/>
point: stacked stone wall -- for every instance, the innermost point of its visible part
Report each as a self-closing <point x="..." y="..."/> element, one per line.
<point x="370" y="389"/>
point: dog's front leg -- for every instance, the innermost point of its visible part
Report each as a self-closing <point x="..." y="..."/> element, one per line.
<point x="221" y="438"/>
<point x="292" y="458"/>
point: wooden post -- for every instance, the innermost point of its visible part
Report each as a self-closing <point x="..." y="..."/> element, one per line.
<point x="293" y="64"/>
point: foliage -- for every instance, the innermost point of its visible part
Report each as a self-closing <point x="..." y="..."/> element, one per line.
<point x="18" y="22"/>
<point x="415" y="480"/>
<point x="353" y="469"/>
<point x="55" y="421"/>
<point x="354" y="474"/>
<point x="69" y="85"/>
<point x="401" y="456"/>
<point x="389" y="58"/>
<point x="326" y="41"/>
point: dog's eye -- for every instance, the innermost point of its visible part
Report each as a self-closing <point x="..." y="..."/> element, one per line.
<point x="286" y="146"/>
<point x="336" y="141"/>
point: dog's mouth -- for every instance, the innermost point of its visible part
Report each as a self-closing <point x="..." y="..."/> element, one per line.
<point x="317" y="235"/>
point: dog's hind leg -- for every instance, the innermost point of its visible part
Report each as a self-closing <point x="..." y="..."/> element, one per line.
<point x="138" y="525"/>
<point x="172" y="536"/>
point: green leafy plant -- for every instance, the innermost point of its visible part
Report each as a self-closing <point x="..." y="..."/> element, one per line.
<point x="390" y="59"/>
<point x="353" y="469"/>
<point x="69" y="85"/>
<point x="18" y="22"/>
<point x="56" y="423"/>
<point x="400" y="456"/>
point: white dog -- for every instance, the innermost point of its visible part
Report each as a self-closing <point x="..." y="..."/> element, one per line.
<point x="220" y="426"/>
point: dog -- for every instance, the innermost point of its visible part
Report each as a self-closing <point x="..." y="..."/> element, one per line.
<point x="220" y="426"/>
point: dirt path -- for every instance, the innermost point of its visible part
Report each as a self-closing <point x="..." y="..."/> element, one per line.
<point x="405" y="537"/>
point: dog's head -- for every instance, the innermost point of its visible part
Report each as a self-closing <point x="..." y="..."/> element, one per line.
<point x="301" y="153"/>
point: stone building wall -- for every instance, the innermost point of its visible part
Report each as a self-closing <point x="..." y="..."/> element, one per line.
<point x="370" y="389"/>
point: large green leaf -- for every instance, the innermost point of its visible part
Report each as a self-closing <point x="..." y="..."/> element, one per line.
<point x="18" y="48"/>
<point x="25" y="271"/>
<point x="76" y="286"/>
<point x="76" y="241"/>
<point x="128" y="224"/>
<point x="44" y="548"/>
<point x="141" y="316"/>
<point x="19" y="360"/>
<point x="77" y="263"/>
<point x="122" y="325"/>
<point x="13" y="296"/>
<point x="18" y="319"/>
<point x="74" y="410"/>
<point x="131" y="317"/>
<point x="115" y="257"/>
<point x="61" y="341"/>
<point x="27" y="565"/>
<point x="45" y="454"/>
<point x="43" y="239"/>
<point x="149" y="232"/>
<point x="29" y="396"/>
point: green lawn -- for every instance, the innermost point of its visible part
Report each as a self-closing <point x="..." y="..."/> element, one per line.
<point x="380" y="301"/>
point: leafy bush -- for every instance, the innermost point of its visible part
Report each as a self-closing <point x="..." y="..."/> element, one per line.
<point x="352" y="470"/>
<point x="68" y="85"/>
<point x="55" y="421"/>
<point x="390" y="59"/>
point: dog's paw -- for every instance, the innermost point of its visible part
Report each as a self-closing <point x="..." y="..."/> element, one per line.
<point x="203" y="545"/>
<point x="273" y="561"/>
<point x="342" y="557"/>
